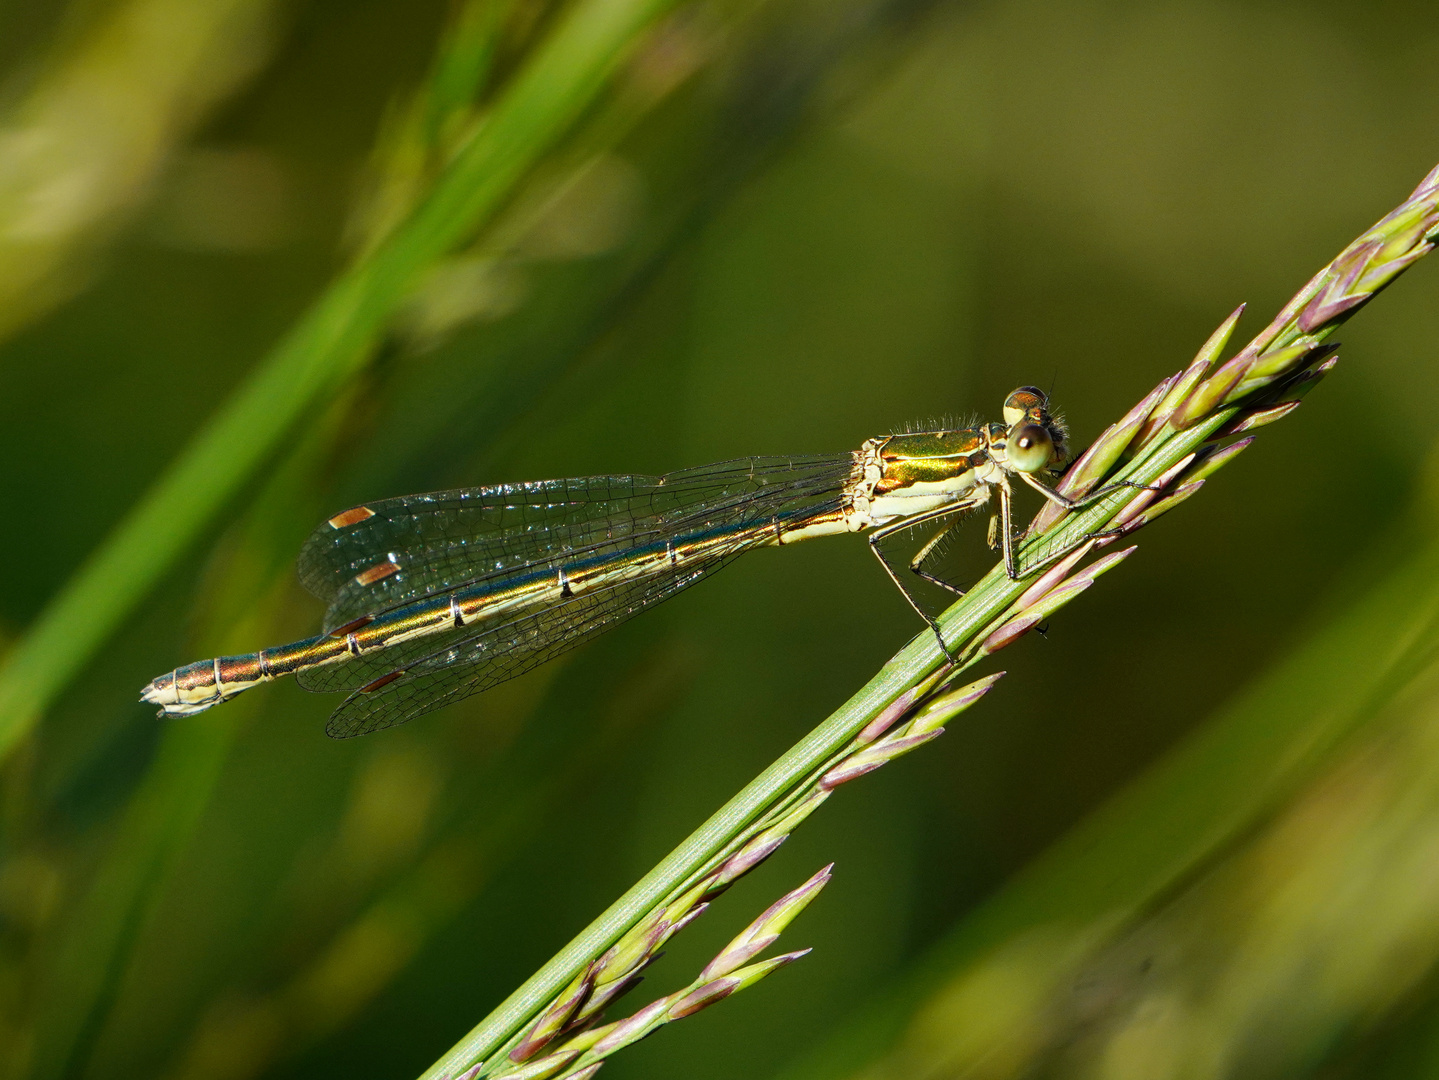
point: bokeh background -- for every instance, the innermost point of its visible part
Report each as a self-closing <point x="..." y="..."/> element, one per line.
<point x="1195" y="831"/>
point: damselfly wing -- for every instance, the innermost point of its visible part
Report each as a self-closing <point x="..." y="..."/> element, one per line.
<point x="530" y="571"/>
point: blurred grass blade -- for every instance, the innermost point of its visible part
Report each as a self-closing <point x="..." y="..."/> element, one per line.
<point x="83" y="976"/>
<point x="79" y="153"/>
<point x="566" y="74"/>
<point x="91" y="948"/>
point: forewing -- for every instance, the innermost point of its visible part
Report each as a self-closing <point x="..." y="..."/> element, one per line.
<point x="379" y="556"/>
<point x="470" y="663"/>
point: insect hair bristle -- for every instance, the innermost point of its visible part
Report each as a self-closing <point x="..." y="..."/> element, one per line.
<point x="946" y="422"/>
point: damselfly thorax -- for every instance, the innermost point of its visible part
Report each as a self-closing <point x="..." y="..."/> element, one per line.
<point x="432" y="598"/>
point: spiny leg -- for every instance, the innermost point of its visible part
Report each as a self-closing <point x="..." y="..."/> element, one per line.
<point x="1006" y="529"/>
<point x="898" y="584"/>
<point x="1065" y="502"/>
<point x="916" y="564"/>
<point x="992" y="537"/>
<point x="889" y="530"/>
<point x="1011" y="558"/>
<point x="1068" y="549"/>
<point x="1068" y="504"/>
<point x="1073" y="504"/>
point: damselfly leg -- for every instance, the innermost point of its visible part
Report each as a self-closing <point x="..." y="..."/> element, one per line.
<point x="1001" y="536"/>
<point x="1011" y="566"/>
<point x="916" y="564"/>
<point x="975" y="498"/>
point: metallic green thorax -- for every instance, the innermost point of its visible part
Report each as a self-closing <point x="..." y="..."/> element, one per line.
<point x="930" y="457"/>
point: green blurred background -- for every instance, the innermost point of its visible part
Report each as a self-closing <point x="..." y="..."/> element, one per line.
<point x="785" y="226"/>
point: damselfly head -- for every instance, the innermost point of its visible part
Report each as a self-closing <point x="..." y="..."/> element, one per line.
<point x="1036" y="440"/>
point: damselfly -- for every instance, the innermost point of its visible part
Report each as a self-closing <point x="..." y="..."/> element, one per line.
<point x="436" y="597"/>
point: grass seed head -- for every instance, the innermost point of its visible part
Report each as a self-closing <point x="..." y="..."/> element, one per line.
<point x="945" y="706"/>
<point x="553" y="1020"/>
<point x="768" y="926"/>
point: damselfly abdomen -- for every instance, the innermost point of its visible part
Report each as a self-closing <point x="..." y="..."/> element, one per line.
<point x="436" y="597"/>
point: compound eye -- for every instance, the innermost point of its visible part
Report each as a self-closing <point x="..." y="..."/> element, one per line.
<point x="1025" y="401"/>
<point x="1029" y="448"/>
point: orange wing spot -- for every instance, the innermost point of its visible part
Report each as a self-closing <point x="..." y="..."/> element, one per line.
<point x="352" y="626"/>
<point x="377" y="573"/>
<point x="383" y="680"/>
<point x="351" y="517"/>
